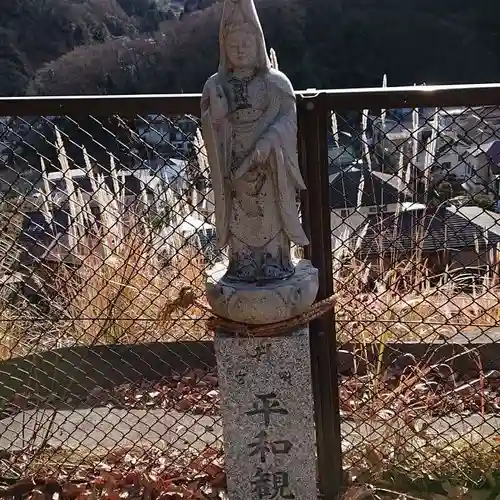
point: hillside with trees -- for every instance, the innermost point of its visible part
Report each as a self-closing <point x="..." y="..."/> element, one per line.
<point x="139" y="46"/>
<point x="320" y="43"/>
<point x="36" y="32"/>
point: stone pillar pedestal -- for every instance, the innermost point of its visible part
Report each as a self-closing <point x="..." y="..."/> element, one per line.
<point x="268" y="420"/>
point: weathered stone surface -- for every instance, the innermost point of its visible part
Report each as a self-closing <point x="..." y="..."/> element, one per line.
<point x="267" y="303"/>
<point x="249" y="123"/>
<point x="267" y="410"/>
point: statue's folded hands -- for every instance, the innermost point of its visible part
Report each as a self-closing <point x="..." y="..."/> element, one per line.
<point x="254" y="160"/>
<point x="262" y="150"/>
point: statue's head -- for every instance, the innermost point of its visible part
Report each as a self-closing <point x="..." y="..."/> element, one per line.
<point x="241" y="39"/>
<point x="241" y="47"/>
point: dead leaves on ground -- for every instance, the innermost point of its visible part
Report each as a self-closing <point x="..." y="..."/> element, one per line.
<point x="130" y="475"/>
<point x="195" y="391"/>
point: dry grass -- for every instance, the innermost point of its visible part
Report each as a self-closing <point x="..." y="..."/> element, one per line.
<point x="421" y="422"/>
<point x="12" y="333"/>
<point x="116" y="299"/>
<point x="121" y="298"/>
<point x="405" y="306"/>
<point x="459" y="470"/>
<point x="408" y="452"/>
<point x="124" y="273"/>
<point x="463" y="460"/>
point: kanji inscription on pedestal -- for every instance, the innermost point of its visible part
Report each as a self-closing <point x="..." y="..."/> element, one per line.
<point x="269" y="437"/>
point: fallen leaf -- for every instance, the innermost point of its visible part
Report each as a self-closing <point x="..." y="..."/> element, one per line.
<point x="212" y="470"/>
<point x="184" y="404"/>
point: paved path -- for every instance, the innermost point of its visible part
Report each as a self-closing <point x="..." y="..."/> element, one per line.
<point x="106" y="428"/>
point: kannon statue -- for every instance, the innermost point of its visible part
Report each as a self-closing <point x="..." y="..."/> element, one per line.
<point x="249" y="126"/>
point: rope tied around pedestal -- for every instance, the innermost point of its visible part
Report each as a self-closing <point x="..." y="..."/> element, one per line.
<point x="187" y="298"/>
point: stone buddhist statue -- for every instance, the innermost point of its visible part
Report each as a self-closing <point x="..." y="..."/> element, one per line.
<point x="249" y="127"/>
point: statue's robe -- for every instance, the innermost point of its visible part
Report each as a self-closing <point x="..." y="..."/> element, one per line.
<point x="279" y="125"/>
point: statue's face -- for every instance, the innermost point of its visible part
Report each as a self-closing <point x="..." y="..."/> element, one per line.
<point x="241" y="49"/>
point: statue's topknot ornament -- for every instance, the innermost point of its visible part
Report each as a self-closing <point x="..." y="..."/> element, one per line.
<point x="249" y="127"/>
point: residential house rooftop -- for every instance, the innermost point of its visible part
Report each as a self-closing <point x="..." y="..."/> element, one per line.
<point x="429" y="230"/>
<point x="362" y="187"/>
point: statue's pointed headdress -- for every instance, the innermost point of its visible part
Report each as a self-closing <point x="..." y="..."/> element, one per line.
<point x="241" y="15"/>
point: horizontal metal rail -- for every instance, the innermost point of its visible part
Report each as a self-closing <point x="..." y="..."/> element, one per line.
<point x="177" y="104"/>
<point x="409" y="97"/>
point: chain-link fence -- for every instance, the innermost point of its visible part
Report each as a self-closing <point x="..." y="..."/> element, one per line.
<point x="108" y="375"/>
<point x="415" y="229"/>
<point x="109" y="382"/>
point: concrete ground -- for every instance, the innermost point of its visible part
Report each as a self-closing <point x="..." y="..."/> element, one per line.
<point x="108" y="428"/>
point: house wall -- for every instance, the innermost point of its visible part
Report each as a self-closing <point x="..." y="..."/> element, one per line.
<point x="341" y="156"/>
<point x="455" y="122"/>
<point x="346" y="222"/>
<point x="453" y="163"/>
<point x="159" y="133"/>
<point x="468" y="258"/>
<point x="483" y="166"/>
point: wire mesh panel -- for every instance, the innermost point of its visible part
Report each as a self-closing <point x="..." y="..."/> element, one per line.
<point x="108" y="377"/>
<point x="107" y="369"/>
<point x="415" y="229"/>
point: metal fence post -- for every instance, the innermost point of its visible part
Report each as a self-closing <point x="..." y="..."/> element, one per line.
<point x="313" y="116"/>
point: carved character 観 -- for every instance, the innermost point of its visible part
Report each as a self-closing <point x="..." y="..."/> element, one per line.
<point x="268" y="485"/>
